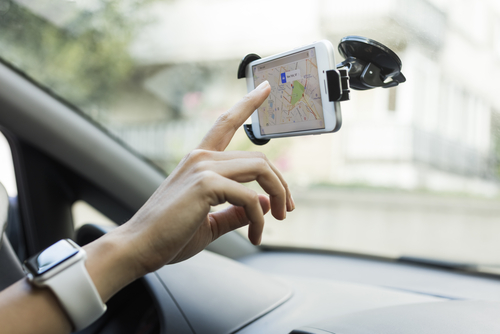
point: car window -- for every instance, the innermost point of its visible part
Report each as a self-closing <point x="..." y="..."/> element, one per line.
<point x="7" y="176"/>
<point x="415" y="169"/>
<point x="14" y="230"/>
<point x="84" y="213"/>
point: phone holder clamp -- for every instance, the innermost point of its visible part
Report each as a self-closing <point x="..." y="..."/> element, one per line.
<point x="368" y="64"/>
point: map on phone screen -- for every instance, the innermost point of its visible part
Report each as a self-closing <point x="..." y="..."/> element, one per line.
<point x="294" y="103"/>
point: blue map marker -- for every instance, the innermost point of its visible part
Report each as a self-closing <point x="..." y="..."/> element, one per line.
<point x="283" y="77"/>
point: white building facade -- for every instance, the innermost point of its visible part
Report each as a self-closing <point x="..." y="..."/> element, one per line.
<point x="433" y="132"/>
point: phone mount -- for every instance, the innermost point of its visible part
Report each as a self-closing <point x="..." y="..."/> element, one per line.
<point x="368" y="64"/>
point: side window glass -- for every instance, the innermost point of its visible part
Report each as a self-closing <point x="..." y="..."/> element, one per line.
<point x="7" y="176"/>
<point x="8" y="180"/>
<point x="84" y="213"/>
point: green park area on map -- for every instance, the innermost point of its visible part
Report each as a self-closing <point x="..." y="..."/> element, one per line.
<point x="297" y="92"/>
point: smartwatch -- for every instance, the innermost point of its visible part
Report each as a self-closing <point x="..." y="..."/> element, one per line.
<point x="61" y="267"/>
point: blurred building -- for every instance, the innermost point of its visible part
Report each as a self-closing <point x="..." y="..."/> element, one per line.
<point x="434" y="132"/>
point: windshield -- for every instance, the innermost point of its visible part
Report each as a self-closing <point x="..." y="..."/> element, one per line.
<point x="415" y="169"/>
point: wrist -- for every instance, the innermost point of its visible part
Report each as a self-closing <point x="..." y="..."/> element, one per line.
<point x="111" y="263"/>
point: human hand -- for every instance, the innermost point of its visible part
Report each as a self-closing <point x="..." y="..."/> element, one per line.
<point x="176" y="223"/>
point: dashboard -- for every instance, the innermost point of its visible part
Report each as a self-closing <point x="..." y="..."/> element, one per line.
<point x="352" y="295"/>
<point x="273" y="291"/>
<point x="293" y="292"/>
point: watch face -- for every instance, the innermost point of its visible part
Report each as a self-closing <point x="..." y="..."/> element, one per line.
<point x="51" y="257"/>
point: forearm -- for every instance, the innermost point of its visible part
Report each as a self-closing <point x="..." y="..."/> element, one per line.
<point x="28" y="309"/>
<point x="112" y="262"/>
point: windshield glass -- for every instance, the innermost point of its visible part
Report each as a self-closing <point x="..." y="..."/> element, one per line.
<point x="415" y="169"/>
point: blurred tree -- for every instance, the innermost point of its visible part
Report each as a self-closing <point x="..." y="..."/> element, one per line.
<point x="83" y="58"/>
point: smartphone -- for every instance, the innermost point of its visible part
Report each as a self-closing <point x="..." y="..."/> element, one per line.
<point x="298" y="103"/>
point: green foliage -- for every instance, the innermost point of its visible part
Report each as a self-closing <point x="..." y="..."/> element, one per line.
<point x="84" y="59"/>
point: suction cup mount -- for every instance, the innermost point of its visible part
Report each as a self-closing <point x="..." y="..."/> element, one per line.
<point x="368" y="64"/>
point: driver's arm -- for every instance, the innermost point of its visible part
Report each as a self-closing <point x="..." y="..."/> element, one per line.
<point x="173" y="225"/>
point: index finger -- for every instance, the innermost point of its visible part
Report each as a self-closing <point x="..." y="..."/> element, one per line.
<point x="226" y="125"/>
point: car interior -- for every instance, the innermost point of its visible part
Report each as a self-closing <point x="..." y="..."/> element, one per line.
<point x="61" y="156"/>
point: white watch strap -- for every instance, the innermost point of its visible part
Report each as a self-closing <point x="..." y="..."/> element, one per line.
<point x="78" y="295"/>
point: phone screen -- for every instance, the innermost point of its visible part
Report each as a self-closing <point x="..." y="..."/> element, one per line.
<point x="294" y="103"/>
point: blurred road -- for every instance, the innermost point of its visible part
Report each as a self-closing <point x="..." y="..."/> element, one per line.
<point x="392" y="224"/>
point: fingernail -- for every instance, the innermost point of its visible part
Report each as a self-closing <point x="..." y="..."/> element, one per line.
<point x="289" y="204"/>
<point x="260" y="241"/>
<point x="263" y="85"/>
<point x="293" y="202"/>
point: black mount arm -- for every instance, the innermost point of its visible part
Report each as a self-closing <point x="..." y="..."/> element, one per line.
<point x="368" y="64"/>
